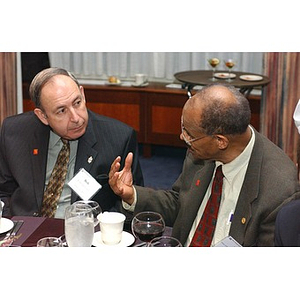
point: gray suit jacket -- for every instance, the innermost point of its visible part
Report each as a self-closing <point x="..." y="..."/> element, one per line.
<point x="270" y="182"/>
<point x="22" y="173"/>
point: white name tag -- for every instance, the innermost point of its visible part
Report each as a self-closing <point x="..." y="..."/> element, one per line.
<point x="84" y="185"/>
<point x="229" y="241"/>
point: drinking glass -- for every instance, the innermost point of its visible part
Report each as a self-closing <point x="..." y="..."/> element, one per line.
<point x="229" y="63"/>
<point x="164" y="241"/>
<point x="213" y="62"/>
<point x="96" y="209"/>
<point x="49" y="242"/>
<point x="63" y="240"/>
<point x="79" y="225"/>
<point x="147" y="225"/>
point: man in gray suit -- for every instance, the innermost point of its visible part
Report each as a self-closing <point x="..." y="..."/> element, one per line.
<point x="259" y="178"/>
<point x="30" y="143"/>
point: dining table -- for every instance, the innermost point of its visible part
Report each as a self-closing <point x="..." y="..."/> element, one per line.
<point x="35" y="228"/>
<point x="244" y="81"/>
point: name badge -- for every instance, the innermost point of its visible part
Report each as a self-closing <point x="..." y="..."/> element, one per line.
<point x="229" y="241"/>
<point x="84" y="184"/>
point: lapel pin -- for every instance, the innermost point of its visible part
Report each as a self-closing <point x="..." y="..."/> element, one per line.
<point x="35" y="151"/>
<point x="90" y="159"/>
<point x="198" y="182"/>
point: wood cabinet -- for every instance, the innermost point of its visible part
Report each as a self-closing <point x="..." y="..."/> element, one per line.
<point x="153" y="111"/>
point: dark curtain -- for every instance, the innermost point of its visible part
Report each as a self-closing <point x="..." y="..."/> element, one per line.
<point x="8" y="84"/>
<point x="282" y="95"/>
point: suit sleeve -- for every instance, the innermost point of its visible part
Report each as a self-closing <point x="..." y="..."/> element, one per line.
<point x="7" y="183"/>
<point x="132" y="146"/>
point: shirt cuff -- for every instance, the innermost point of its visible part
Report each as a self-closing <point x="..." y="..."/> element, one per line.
<point x="131" y="207"/>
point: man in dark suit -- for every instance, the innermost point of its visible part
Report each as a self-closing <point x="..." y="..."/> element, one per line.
<point x="30" y="143"/>
<point x="287" y="226"/>
<point x="259" y="178"/>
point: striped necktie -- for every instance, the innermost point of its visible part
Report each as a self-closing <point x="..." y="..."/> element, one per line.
<point x="56" y="181"/>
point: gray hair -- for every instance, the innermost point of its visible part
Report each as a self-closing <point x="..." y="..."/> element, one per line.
<point x="42" y="78"/>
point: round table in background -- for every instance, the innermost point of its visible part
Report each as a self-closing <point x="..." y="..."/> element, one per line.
<point x="190" y="79"/>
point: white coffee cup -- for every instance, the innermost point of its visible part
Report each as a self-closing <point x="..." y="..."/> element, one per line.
<point x="140" y="79"/>
<point x="111" y="227"/>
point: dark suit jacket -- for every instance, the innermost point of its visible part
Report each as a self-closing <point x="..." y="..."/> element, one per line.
<point x="287" y="226"/>
<point x="270" y="182"/>
<point x="22" y="173"/>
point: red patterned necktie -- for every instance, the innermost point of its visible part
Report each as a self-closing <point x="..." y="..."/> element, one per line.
<point x="56" y="181"/>
<point x="204" y="233"/>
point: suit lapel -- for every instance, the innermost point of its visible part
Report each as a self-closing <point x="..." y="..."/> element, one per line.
<point x="248" y="194"/>
<point x="193" y="198"/>
<point x="38" y="149"/>
<point x="86" y="154"/>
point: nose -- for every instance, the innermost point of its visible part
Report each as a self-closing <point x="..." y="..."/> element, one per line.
<point x="74" y="117"/>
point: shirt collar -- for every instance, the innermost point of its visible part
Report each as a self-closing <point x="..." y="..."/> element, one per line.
<point x="231" y="169"/>
<point x="54" y="139"/>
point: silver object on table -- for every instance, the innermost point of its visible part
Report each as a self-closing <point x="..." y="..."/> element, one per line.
<point x="10" y="236"/>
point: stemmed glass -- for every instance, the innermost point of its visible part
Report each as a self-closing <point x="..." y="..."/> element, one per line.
<point x="213" y="62"/>
<point x="229" y="63"/>
<point x="164" y="241"/>
<point x="49" y="242"/>
<point x="79" y="225"/>
<point x="147" y="225"/>
<point x="96" y="209"/>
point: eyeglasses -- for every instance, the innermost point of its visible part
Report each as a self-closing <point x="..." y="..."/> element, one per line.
<point x="186" y="137"/>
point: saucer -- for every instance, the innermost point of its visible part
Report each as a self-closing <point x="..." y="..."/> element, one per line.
<point x="224" y="75"/>
<point x="6" y="225"/>
<point x="140" y="85"/>
<point x="251" y="77"/>
<point x="127" y="240"/>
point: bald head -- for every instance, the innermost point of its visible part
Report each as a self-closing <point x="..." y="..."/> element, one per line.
<point x="220" y="109"/>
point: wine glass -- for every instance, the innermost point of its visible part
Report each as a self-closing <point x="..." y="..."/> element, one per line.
<point x="229" y="63"/>
<point x="164" y="241"/>
<point x="147" y="225"/>
<point x="49" y="242"/>
<point x="96" y="209"/>
<point x="213" y="62"/>
<point x="79" y="225"/>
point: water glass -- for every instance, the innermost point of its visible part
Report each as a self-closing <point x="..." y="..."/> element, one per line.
<point x="164" y="241"/>
<point x="49" y="242"/>
<point x="96" y="209"/>
<point x="63" y="240"/>
<point x="79" y="225"/>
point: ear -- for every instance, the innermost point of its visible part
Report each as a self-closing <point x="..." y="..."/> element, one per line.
<point x="222" y="141"/>
<point x="41" y="115"/>
<point x="82" y="92"/>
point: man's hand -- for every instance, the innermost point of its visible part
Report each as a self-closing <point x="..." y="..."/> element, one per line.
<point x="121" y="181"/>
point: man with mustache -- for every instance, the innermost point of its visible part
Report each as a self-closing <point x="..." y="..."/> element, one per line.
<point x="30" y="144"/>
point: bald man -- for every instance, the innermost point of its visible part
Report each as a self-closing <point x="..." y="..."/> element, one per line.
<point x="259" y="178"/>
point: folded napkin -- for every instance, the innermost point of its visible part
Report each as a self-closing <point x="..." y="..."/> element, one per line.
<point x="29" y="226"/>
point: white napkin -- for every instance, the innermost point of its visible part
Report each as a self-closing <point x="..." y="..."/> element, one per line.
<point x="296" y="116"/>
